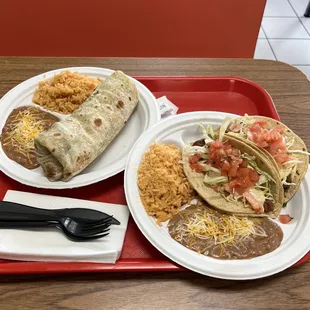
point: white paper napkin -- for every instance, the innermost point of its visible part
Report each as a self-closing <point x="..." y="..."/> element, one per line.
<point x="53" y="245"/>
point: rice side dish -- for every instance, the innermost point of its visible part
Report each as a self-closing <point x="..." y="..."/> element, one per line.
<point x="162" y="183"/>
<point x="65" y="92"/>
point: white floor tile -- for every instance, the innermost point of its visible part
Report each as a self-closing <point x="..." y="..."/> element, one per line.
<point x="284" y="28"/>
<point x="294" y="52"/>
<point x="305" y="70"/>
<point x="299" y="6"/>
<point x="306" y="22"/>
<point x="263" y="50"/>
<point x="261" y="34"/>
<point x="277" y="8"/>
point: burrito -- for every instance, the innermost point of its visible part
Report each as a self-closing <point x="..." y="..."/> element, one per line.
<point x="232" y="176"/>
<point x="70" y="145"/>
<point x="287" y="151"/>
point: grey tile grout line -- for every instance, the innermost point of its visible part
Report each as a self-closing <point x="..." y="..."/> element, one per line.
<point x="305" y="39"/>
<point x="274" y="54"/>
<point x="280" y="16"/>
<point x="298" y="17"/>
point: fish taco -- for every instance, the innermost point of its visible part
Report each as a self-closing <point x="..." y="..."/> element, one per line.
<point x="286" y="150"/>
<point x="232" y="176"/>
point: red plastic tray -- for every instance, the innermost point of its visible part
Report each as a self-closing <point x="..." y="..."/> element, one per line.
<point x="227" y="94"/>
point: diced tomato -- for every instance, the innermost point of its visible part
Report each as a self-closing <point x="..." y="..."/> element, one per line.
<point x="238" y="160"/>
<point x="196" y="167"/>
<point x="285" y="218"/>
<point x="247" y="184"/>
<point x="243" y="183"/>
<point x="216" y="152"/>
<point x="255" y="205"/>
<point x="255" y="128"/>
<point x="243" y="172"/>
<point x="282" y="146"/>
<point x="271" y="140"/>
<point x="233" y="169"/>
<point x="273" y="148"/>
<point x="245" y="179"/>
<point x="274" y="135"/>
<point x="244" y="163"/>
<point x="227" y="148"/>
<point x="216" y="145"/>
<point x="234" y="184"/>
<point x="279" y="129"/>
<point x="225" y="165"/>
<point x="281" y="158"/>
<point x="260" y="135"/>
<point x="226" y="158"/>
<point x="194" y="158"/>
<point x="261" y="122"/>
<point x="239" y="190"/>
<point x="215" y="160"/>
<point x="236" y="153"/>
<point x="224" y="173"/>
<point x="265" y="135"/>
<point x="261" y="139"/>
<point x="253" y="175"/>
<point x="235" y="127"/>
<point x="227" y="188"/>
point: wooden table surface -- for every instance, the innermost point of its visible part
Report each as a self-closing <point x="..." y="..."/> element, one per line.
<point x="290" y="289"/>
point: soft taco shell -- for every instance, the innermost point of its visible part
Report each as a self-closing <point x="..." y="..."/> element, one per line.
<point x="298" y="144"/>
<point x="216" y="200"/>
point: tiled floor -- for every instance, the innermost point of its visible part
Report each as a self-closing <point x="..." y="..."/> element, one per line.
<point x="285" y="34"/>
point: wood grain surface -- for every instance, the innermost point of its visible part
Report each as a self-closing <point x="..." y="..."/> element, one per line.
<point x="290" y="289"/>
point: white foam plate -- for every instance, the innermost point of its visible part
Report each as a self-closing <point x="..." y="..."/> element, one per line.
<point x="182" y="129"/>
<point x="113" y="159"/>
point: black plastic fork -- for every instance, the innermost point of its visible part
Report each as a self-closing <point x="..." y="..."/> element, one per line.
<point x="74" y="229"/>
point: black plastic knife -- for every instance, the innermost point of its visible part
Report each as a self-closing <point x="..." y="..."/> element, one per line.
<point x="23" y="210"/>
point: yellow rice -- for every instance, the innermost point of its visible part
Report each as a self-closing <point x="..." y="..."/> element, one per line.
<point x="162" y="183"/>
<point x="65" y="92"/>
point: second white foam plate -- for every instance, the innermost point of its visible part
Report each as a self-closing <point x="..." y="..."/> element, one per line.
<point x="182" y="129"/>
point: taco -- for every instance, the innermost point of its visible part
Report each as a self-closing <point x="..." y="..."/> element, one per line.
<point x="279" y="143"/>
<point x="232" y="176"/>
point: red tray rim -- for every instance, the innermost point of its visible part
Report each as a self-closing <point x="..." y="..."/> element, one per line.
<point x="126" y="265"/>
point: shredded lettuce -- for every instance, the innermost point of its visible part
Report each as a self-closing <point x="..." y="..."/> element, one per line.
<point x="214" y="180"/>
<point x="233" y="198"/>
<point x="203" y="130"/>
<point x="293" y="162"/>
<point x="262" y="180"/>
<point x="266" y="191"/>
<point x="210" y="168"/>
<point x="289" y="143"/>
<point x="244" y="123"/>
<point x="284" y="173"/>
<point x="210" y="132"/>
<point x="205" y="134"/>
<point x="190" y="149"/>
<point x="298" y="151"/>
<point x="252" y="163"/>
<point x="204" y="155"/>
<point x="288" y="183"/>
<point x="248" y="157"/>
<point x="223" y="128"/>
